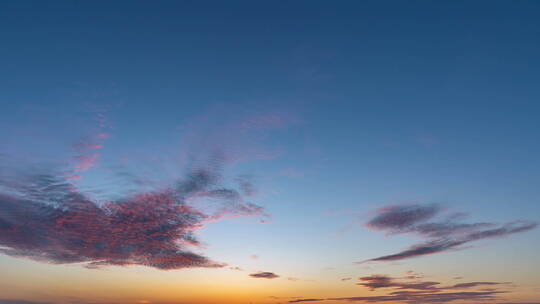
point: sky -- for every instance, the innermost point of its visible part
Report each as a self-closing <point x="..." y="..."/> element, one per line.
<point x="265" y="152"/>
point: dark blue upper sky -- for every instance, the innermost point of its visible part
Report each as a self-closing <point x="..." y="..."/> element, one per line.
<point x="389" y="101"/>
<point x="458" y="76"/>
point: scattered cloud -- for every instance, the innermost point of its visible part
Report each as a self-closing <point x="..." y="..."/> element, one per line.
<point x="442" y="235"/>
<point x="410" y="290"/>
<point x="377" y="281"/>
<point x="423" y="297"/>
<point x="418" y="297"/>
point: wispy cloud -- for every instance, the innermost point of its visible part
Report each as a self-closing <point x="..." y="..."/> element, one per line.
<point x="440" y="235"/>
<point x="88" y="148"/>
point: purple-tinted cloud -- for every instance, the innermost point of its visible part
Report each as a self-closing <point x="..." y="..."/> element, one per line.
<point x="264" y="275"/>
<point x="444" y="235"/>
<point x="45" y="218"/>
<point x="474" y="284"/>
<point x="410" y="290"/>
<point x="397" y="218"/>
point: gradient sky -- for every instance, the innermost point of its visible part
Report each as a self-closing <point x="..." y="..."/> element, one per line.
<point x="236" y="152"/>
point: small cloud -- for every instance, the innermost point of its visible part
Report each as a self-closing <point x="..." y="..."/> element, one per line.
<point x="264" y="275"/>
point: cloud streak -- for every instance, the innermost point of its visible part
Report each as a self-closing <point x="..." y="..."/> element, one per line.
<point x="264" y="275"/>
<point x="439" y="235"/>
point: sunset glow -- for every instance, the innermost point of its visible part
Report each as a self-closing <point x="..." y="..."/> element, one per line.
<point x="269" y="152"/>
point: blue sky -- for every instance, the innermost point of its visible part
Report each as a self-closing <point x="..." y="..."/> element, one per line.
<point x="332" y="109"/>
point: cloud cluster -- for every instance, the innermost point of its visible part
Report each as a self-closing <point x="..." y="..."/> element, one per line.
<point x="45" y="218"/>
<point x="440" y="235"/>
<point x="48" y="217"/>
<point x="377" y="281"/>
<point x="417" y="296"/>
<point x="409" y="289"/>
